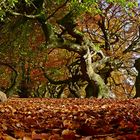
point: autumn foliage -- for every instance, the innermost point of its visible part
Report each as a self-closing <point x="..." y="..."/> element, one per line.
<point x="70" y="119"/>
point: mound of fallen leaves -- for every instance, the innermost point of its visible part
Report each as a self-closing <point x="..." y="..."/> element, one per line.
<point x="70" y="119"/>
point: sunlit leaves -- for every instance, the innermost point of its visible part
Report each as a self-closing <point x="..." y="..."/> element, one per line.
<point x="86" y="6"/>
<point x="124" y="2"/>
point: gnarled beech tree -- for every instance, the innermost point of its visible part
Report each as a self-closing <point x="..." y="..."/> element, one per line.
<point x="98" y="32"/>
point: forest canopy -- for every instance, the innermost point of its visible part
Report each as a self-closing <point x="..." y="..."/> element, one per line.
<point x="70" y="48"/>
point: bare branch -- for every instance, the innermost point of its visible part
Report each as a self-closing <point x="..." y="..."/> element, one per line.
<point x="23" y="15"/>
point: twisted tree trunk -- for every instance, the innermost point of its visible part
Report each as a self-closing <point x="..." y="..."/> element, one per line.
<point x="103" y="90"/>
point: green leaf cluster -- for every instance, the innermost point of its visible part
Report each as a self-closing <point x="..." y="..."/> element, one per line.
<point x="6" y="5"/>
<point x="124" y="3"/>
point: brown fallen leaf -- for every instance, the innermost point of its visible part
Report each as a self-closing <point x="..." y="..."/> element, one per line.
<point x="27" y="138"/>
<point x="110" y="138"/>
<point x="6" y="137"/>
<point x="41" y="136"/>
<point x="68" y="134"/>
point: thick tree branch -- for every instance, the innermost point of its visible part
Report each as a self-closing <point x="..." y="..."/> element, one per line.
<point x="68" y="45"/>
<point x="103" y="28"/>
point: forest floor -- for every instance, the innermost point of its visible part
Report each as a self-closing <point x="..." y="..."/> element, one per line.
<point x="70" y="119"/>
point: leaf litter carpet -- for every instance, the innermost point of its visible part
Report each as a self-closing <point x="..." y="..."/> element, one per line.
<point x="70" y="119"/>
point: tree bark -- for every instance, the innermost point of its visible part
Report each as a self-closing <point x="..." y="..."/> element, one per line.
<point x="103" y="90"/>
<point x="137" y="82"/>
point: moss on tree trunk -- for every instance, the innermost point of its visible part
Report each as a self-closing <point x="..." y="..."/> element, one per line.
<point x="103" y="90"/>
